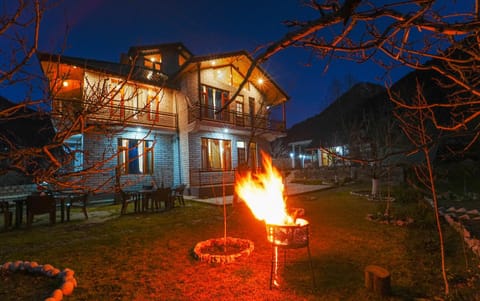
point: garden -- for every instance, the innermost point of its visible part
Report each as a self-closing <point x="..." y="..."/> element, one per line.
<point x="149" y="256"/>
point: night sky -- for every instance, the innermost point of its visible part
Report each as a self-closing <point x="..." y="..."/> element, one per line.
<point x="103" y="29"/>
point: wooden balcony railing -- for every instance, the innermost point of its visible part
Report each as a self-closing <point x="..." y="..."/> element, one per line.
<point x="201" y="112"/>
<point x="71" y="108"/>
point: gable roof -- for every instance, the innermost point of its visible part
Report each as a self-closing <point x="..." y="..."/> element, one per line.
<point x="136" y="73"/>
<point x="241" y="61"/>
<point x="177" y="46"/>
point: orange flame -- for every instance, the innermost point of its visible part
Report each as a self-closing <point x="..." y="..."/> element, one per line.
<point x="263" y="194"/>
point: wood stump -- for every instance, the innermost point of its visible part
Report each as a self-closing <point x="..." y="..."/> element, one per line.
<point x="377" y="279"/>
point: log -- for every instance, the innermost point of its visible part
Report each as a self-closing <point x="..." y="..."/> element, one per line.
<point x="377" y="279"/>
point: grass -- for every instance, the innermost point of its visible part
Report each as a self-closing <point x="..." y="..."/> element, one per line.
<point x="149" y="256"/>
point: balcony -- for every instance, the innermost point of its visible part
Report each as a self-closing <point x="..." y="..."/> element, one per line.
<point x="70" y="109"/>
<point x="234" y="118"/>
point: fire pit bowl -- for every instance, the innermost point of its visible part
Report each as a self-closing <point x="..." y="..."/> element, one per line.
<point x="289" y="236"/>
<point x="212" y="250"/>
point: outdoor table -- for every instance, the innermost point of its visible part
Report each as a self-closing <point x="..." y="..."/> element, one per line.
<point x="62" y="197"/>
<point x="145" y="196"/>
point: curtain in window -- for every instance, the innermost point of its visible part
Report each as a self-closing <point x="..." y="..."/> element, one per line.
<point x="133" y="155"/>
<point x="214" y="154"/>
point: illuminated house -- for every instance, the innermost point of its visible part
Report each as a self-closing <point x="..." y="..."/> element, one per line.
<point x="162" y="114"/>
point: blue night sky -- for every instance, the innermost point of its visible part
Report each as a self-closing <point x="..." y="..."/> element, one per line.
<point x="103" y="29"/>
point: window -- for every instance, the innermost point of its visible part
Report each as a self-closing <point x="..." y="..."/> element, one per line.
<point x="216" y="154"/>
<point x="117" y="98"/>
<point x="242" y="154"/>
<point x="135" y="156"/>
<point x="239" y="111"/>
<point x="153" y="105"/>
<point x="153" y="61"/>
<point x="213" y="99"/>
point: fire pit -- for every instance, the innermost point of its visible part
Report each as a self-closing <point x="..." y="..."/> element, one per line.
<point x="222" y="250"/>
<point x="289" y="236"/>
<point x="263" y="194"/>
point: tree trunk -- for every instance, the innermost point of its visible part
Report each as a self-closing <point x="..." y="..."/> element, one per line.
<point x="375" y="186"/>
<point x="377" y="279"/>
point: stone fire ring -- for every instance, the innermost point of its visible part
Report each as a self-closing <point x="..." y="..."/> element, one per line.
<point x="67" y="275"/>
<point x="245" y="246"/>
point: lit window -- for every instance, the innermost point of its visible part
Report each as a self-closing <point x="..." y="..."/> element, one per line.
<point x="216" y="154"/>
<point x="135" y="156"/>
<point x="213" y="99"/>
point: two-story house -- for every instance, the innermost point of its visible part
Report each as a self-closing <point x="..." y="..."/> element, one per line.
<point x="163" y="115"/>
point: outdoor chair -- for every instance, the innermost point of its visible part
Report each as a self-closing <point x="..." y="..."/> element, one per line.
<point x="178" y="195"/>
<point x="128" y="198"/>
<point x="41" y="204"/>
<point x="77" y="201"/>
<point x="162" y="195"/>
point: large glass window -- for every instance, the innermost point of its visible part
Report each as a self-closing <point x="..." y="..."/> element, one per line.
<point x="135" y="156"/>
<point x="216" y="154"/>
<point x="213" y="100"/>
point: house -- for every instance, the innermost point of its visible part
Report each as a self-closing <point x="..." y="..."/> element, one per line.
<point x="164" y="115"/>
<point x="342" y="129"/>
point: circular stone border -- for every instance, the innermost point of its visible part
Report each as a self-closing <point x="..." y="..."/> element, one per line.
<point x="67" y="275"/>
<point x="219" y="258"/>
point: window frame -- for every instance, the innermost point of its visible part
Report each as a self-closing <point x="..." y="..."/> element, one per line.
<point x="224" y="159"/>
<point x="145" y="158"/>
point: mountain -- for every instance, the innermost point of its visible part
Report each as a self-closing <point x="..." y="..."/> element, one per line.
<point x="23" y="127"/>
<point x="349" y="108"/>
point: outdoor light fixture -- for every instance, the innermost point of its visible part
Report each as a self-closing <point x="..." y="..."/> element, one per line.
<point x="291" y="155"/>
<point x="65" y="83"/>
<point x="260" y="81"/>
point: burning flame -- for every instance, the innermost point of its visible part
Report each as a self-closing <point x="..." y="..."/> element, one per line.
<point x="263" y="194"/>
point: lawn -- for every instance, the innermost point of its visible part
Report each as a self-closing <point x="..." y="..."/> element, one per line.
<point x="149" y="256"/>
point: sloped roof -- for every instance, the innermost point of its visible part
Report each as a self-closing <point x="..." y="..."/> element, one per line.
<point x="178" y="46"/>
<point x="135" y="73"/>
<point x="241" y="61"/>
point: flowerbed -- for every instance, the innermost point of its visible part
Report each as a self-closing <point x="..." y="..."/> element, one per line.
<point x="67" y="276"/>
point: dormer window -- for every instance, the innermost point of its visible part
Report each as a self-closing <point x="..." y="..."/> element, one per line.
<point x="153" y="61"/>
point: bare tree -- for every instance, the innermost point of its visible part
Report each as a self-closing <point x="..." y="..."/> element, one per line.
<point x="441" y="37"/>
<point x="419" y="127"/>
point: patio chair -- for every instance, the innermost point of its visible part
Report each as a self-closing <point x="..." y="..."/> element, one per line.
<point x="128" y="198"/>
<point x="178" y="195"/>
<point x="41" y="204"/>
<point x="162" y="195"/>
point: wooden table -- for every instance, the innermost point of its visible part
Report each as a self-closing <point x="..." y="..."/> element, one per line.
<point x="146" y="197"/>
